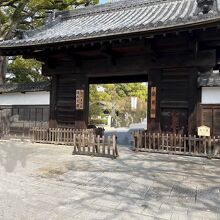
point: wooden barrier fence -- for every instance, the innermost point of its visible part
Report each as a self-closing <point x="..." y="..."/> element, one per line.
<point x="62" y="136"/>
<point x="95" y="145"/>
<point x="176" y="144"/>
<point x="84" y="141"/>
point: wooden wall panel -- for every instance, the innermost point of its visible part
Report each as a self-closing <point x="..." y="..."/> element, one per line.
<point x="65" y="106"/>
<point x="177" y="105"/>
<point x="216" y="121"/>
<point x="207" y="117"/>
<point x="210" y="116"/>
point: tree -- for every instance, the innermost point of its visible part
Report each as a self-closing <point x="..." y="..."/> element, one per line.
<point x="28" y="14"/>
<point x="21" y="70"/>
<point x="95" y="97"/>
<point x="119" y="97"/>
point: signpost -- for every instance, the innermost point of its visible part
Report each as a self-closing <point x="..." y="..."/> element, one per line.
<point x="153" y="100"/>
<point x="79" y="99"/>
<point x="204" y="131"/>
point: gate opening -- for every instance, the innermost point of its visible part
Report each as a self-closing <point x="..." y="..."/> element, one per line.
<point x="118" y="105"/>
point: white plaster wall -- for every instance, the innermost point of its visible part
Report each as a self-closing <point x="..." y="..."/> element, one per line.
<point x="28" y="98"/>
<point x="211" y="95"/>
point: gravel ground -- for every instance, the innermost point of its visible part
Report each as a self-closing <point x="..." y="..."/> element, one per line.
<point x="46" y="182"/>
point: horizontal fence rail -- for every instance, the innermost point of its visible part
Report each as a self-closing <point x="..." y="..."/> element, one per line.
<point x="84" y="141"/>
<point x="176" y="144"/>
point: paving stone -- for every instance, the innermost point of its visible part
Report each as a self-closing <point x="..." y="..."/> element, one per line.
<point x="47" y="182"/>
<point x="202" y="215"/>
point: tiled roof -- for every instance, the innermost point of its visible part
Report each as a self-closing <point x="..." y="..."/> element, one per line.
<point x="121" y="17"/>
<point x="209" y="80"/>
<point x="25" y="87"/>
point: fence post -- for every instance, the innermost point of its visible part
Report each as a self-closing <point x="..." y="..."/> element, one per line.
<point x="194" y="144"/>
<point x="167" y="142"/>
<point x="190" y="147"/>
<point x="209" y="146"/>
<point x="145" y="140"/>
<point x="93" y="144"/>
<point x="174" y="143"/>
<point x="215" y="149"/>
<point x="204" y="145"/>
<point x="83" y="142"/>
<point x="74" y="143"/>
<point x="171" y="143"/>
<point x="103" y="145"/>
<point x="115" y="146"/>
<point x="150" y="141"/>
<point x="162" y="141"/>
<point x="158" y="141"/>
<point x="154" y="141"/>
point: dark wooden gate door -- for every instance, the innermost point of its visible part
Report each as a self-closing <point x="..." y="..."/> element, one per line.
<point x="174" y="120"/>
<point x="211" y="118"/>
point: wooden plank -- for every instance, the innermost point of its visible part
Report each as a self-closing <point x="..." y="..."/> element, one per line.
<point x="150" y="141"/>
<point x="158" y="141"/>
<point x="163" y="142"/>
<point x="98" y="144"/>
<point x="167" y="144"/>
<point x="154" y="141"/>
<point x="209" y="146"/>
<point x="115" y="146"/>
<point x="184" y="145"/>
<point x="190" y="144"/>
<point x="93" y="144"/>
<point x="74" y="143"/>
<point x="204" y="145"/>
<point x="82" y="137"/>
<point x="109" y="145"/>
<point x="194" y="145"/>
<point x="175" y="142"/>
<point x="171" y="142"/>
<point x="145" y="140"/>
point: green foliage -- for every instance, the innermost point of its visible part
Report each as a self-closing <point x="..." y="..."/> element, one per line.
<point x="120" y="96"/>
<point x="95" y="110"/>
<point x="96" y="95"/>
<point x="24" y="15"/>
<point x="132" y="89"/>
<point x="98" y="121"/>
<point x="22" y="70"/>
<point x="122" y="90"/>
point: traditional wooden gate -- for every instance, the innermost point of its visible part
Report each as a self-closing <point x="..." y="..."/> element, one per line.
<point x="176" y="144"/>
<point x="84" y="141"/>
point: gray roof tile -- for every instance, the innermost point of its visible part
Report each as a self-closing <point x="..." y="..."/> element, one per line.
<point x="114" y="19"/>
<point x="25" y="87"/>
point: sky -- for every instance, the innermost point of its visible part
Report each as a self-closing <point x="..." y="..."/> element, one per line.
<point x="102" y="1"/>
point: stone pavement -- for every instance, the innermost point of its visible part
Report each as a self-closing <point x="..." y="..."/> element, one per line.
<point x="46" y="182"/>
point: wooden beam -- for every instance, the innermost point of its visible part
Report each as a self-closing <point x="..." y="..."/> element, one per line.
<point x="53" y="102"/>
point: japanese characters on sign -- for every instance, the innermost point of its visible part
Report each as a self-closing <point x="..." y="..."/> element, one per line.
<point x="153" y="100"/>
<point x="79" y="99"/>
<point x="204" y="131"/>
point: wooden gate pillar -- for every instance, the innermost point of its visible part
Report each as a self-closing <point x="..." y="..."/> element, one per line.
<point x="53" y="101"/>
<point x="82" y="102"/>
<point x="154" y="79"/>
<point x="194" y="99"/>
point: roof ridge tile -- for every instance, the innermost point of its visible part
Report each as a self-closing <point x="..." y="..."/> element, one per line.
<point x="108" y="7"/>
